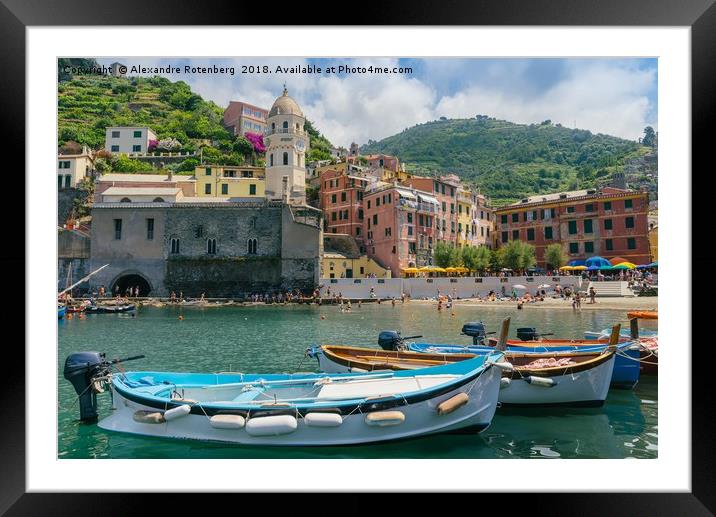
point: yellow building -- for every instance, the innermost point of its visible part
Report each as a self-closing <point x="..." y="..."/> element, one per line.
<point x="339" y="265"/>
<point x="230" y="181"/>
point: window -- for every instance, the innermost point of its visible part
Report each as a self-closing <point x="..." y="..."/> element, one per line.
<point x="117" y="229"/>
<point x="357" y="230"/>
<point x="588" y="247"/>
<point x="452" y="208"/>
<point x="530" y="234"/>
<point x="252" y="246"/>
<point x="410" y="230"/>
<point x="252" y="189"/>
<point x="115" y="148"/>
<point x="360" y="214"/>
<point x="570" y="209"/>
<point x="503" y="219"/>
<point x="572" y="227"/>
<point x="271" y="160"/>
<point x="574" y="247"/>
<point x="158" y="200"/>
<point x="608" y="224"/>
<point x="208" y="171"/>
<point x="524" y="216"/>
<point x="631" y="243"/>
<point x="552" y="213"/>
<point x="548" y="232"/>
<point x="64" y="165"/>
<point x="375" y="219"/>
<point x="589" y="207"/>
<point x="629" y="222"/>
<point x="198" y="231"/>
<point x="247" y="174"/>
<point x="136" y="148"/>
<point x="628" y="203"/>
<point x="388" y="231"/>
<point x="333" y="198"/>
<point x="607" y="205"/>
<point x="285" y="158"/>
<point x="137" y="134"/>
<point x="343" y="196"/>
<point x="377" y="201"/>
<point x="410" y="218"/>
<point x="59" y="181"/>
<point x="224" y="188"/>
<point x="150" y="229"/>
<point x="285" y="124"/>
<point x="207" y="188"/>
<point x="609" y="244"/>
<point x="115" y="134"/>
<point x="68" y="181"/>
<point x="211" y="246"/>
<point x="174" y="246"/>
<point x="515" y="217"/>
<point x="369" y="203"/>
<point x="452" y="226"/>
<point x="588" y="226"/>
<point x="515" y="235"/>
<point x="333" y="216"/>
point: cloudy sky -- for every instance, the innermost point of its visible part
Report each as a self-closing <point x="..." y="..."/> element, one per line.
<point x="612" y="96"/>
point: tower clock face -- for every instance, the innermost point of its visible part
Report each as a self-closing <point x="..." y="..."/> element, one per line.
<point x="300" y="146"/>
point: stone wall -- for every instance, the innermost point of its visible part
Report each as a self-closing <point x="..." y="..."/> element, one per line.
<point x="71" y="270"/>
<point x="65" y="201"/>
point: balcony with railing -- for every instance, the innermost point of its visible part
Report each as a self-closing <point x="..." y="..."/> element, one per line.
<point x="284" y="131"/>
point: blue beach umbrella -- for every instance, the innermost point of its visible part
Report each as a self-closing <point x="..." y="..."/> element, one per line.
<point x="598" y="262"/>
<point x="576" y="263"/>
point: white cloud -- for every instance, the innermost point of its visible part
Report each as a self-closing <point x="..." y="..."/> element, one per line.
<point x="601" y="95"/>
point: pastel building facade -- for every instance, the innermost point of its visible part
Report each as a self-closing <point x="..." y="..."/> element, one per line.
<point x="242" y="117"/>
<point x="186" y="184"/>
<point x="225" y="181"/>
<point x="128" y="140"/>
<point x="609" y="222"/>
<point x="73" y="168"/>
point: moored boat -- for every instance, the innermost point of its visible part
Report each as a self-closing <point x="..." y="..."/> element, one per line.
<point x="643" y="315"/>
<point x="61" y="311"/>
<point x="577" y="379"/>
<point x="110" y="309"/>
<point x="293" y="409"/>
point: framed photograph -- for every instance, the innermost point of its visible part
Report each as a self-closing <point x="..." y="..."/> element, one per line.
<point x="287" y="258"/>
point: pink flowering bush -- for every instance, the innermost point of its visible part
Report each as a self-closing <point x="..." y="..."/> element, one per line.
<point x="257" y="140"/>
<point x="152" y="146"/>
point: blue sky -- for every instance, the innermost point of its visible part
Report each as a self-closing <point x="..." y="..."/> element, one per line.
<point x="617" y="96"/>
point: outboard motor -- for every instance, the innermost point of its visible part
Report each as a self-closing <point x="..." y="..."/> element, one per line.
<point x="392" y="340"/>
<point x="527" y="334"/>
<point x="476" y="330"/>
<point x="80" y="369"/>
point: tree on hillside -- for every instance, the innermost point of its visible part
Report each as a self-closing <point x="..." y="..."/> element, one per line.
<point x="649" y="136"/>
<point x="555" y="256"/>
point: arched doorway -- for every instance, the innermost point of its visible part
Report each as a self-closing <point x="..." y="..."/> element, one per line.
<point x="133" y="280"/>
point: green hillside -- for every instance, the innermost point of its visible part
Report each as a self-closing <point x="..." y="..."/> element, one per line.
<point x="510" y="161"/>
<point x="88" y="104"/>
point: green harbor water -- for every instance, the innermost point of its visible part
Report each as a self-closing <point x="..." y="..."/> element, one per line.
<point x="272" y="339"/>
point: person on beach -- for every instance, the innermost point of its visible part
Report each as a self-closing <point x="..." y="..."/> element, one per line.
<point x="402" y="297"/>
<point x="392" y="301"/>
<point x="592" y="295"/>
<point x="372" y="292"/>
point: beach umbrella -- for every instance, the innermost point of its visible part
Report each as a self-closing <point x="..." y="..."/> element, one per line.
<point x="576" y="263"/>
<point x="566" y="268"/>
<point x="519" y="286"/>
<point x="410" y="270"/>
<point x="594" y="268"/>
<point x="617" y="260"/>
<point x="607" y="268"/>
<point x="621" y="267"/>
<point x="654" y="264"/>
<point x="597" y="261"/>
<point x="579" y="268"/>
<point x="544" y="286"/>
<point x="627" y="264"/>
<point x="432" y="269"/>
<point x="643" y="266"/>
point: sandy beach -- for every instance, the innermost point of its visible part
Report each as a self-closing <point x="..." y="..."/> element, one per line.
<point x="642" y="303"/>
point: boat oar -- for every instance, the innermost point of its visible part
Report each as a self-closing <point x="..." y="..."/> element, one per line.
<point x="502" y="340"/>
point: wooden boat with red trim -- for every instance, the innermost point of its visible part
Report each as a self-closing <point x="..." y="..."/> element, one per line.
<point x="578" y="379"/>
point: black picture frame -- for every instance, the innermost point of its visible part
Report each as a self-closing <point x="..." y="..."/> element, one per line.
<point x="700" y="15"/>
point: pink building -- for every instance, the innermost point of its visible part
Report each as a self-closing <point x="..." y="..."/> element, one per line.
<point x="444" y="189"/>
<point x="341" y="199"/>
<point x="399" y="227"/>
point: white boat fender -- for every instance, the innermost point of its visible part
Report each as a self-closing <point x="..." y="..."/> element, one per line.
<point x="148" y="417"/>
<point x="384" y="418"/>
<point x="227" y="421"/>
<point x="323" y="419"/>
<point x="541" y="381"/>
<point x="504" y="382"/>
<point x="177" y="412"/>
<point x="504" y="365"/>
<point x="455" y="402"/>
<point x="355" y="369"/>
<point x="271" y="425"/>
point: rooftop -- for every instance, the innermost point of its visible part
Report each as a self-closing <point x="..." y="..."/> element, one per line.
<point x="285" y="105"/>
<point x="148" y="178"/>
<point x="141" y="191"/>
